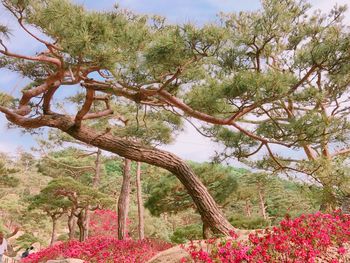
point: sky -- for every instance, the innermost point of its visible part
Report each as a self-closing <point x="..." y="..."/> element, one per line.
<point x="189" y="145"/>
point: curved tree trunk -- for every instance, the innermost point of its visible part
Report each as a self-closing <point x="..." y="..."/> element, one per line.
<point x="207" y="207"/>
<point x="140" y="208"/>
<point x="124" y="201"/>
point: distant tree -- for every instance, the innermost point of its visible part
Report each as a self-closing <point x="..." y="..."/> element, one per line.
<point x="6" y="179"/>
<point x="263" y="198"/>
<point x="261" y="182"/>
<point x="53" y="205"/>
<point x="71" y="195"/>
<point x="26" y="159"/>
<point x="155" y="128"/>
<point x="140" y="207"/>
<point x="167" y="195"/>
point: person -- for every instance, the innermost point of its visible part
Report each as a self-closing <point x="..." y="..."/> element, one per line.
<point x="26" y="253"/>
<point x="3" y="245"/>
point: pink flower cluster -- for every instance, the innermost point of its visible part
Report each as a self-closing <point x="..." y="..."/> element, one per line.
<point x="300" y="240"/>
<point x="101" y="250"/>
<point x="103" y="223"/>
<point x="102" y="246"/>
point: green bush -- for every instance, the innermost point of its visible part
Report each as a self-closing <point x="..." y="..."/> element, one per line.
<point x="186" y="233"/>
<point x="244" y="222"/>
<point x="63" y="237"/>
<point x="26" y="240"/>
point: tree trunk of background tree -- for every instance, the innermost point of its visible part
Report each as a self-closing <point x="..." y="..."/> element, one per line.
<point x="206" y="231"/>
<point x="124" y="200"/>
<point x="206" y="205"/>
<point x="95" y="184"/>
<point x="329" y="199"/>
<point x="97" y="176"/>
<point x="262" y="204"/>
<point x="53" y="233"/>
<point x="140" y="208"/>
<point x="345" y="204"/>
<point x="81" y="222"/>
<point x="86" y="222"/>
<point x="248" y="208"/>
<point x="71" y="225"/>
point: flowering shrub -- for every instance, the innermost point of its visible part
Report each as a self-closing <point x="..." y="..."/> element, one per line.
<point x="103" y="223"/>
<point x="301" y="240"/>
<point x="101" y="250"/>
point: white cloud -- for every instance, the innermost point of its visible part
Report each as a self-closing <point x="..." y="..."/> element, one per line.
<point x="8" y="148"/>
<point x="190" y="145"/>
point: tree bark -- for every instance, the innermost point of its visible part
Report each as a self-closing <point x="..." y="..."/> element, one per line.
<point x="53" y="231"/>
<point x="262" y="204"/>
<point x="345" y="205"/>
<point x="86" y="222"/>
<point x="124" y="201"/>
<point x="140" y="208"/>
<point x="248" y="208"/>
<point x="206" y="231"/>
<point x="97" y="177"/>
<point x="81" y="222"/>
<point x="207" y="207"/>
<point x="71" y="226"/>
<point x="95" y="184"/>
<point x="329" y="200"/>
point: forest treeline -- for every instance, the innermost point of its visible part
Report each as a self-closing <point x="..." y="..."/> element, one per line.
<point x="36" y="196"/>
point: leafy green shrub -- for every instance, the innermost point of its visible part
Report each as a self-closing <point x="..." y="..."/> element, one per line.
<point x="244" y="222"/>
<point x="26" y="240"/>
<point x="63" y="237"/>
<point x="186" y="233"/>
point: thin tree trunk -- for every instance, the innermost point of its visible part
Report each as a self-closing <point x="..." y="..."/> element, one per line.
<point x="248" y="208"/>
<point x="95" y="184"/>
<point x="140" y="207"/>
<point x="97" y="177"/>
<point x="206" y="231"/>
<point x="329" y="200"/>
<point x="207" y="207"/>
<point x="262" y="204"/>
<point x="124" y="200"/>
<point x="71" y="225"/>
<point x="345" y="205"/>
<point x="81" y="225"/>
<point x="86" y="222"/>
<point x="53" y="231"/>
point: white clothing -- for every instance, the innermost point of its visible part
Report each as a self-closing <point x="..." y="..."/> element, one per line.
<point x="3" y="247"/>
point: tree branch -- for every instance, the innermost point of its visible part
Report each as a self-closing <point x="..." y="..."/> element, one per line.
<point x="89" y="98"/>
